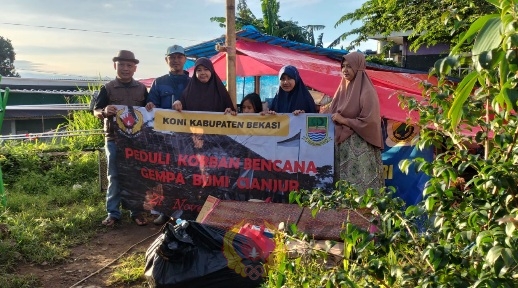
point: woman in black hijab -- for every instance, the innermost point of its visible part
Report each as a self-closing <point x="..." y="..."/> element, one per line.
<point x="292" y="95"/>
<point x="205" y="91"/>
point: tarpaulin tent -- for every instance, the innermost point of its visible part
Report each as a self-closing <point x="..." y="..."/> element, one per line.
<point x="319" y="72"/>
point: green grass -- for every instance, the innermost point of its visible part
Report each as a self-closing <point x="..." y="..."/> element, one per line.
<point x="16" y="281"/>
<point x="45" y="214"/>
<point x="130" y="270"/>
<point x="53" y="197"/>
<point x="44" y="230"/>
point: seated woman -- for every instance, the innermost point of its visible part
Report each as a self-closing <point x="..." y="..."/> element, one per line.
<point x="292" y="95"/>
<point x="205" y="91"/>
<point x="356" y="114"/>
<point x="251" y="103"/>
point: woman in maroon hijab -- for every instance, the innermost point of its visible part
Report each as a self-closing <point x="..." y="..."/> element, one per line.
<point x="356" y="113"/>
<point x="205" y="91"/>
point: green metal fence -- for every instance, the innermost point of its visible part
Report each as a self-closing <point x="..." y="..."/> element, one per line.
<point x="3" y="103"/>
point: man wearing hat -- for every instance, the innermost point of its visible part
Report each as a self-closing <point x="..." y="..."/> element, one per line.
<point x="168" y="88"/>
<point x="124" y="90"/>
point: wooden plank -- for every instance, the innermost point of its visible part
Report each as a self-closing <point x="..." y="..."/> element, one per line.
<point x="327" y="225"/>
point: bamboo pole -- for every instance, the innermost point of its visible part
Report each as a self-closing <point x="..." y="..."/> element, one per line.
<point x="231" y="50"/>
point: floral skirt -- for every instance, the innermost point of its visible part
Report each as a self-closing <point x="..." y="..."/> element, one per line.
<point x="359" y="163"/>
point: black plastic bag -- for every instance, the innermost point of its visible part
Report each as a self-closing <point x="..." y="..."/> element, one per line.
<point x="191" y="255"/>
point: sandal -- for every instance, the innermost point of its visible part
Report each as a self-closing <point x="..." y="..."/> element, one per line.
<point x="110" y="221"/>
<point x="139" y="220"/>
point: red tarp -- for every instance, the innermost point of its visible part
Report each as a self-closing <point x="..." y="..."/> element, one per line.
<point x="319" y="72"/>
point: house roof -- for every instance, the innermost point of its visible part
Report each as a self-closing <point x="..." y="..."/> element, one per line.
<point x="49" y="91"/>
<point x="16" y="83"/>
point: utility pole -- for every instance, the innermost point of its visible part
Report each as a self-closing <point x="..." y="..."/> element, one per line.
<point x="231" y="50"/>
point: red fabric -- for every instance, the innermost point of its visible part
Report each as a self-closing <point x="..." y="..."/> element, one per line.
<point x="147" y="81"/>
<point x="257" y="59"/>
<point x="400" y="81"/>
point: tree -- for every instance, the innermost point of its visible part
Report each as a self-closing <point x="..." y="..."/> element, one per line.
<point x="430" y="22"/>
<point x="272" y="25"/>
<point x="7" y="58"/>
<point x="270" y="10"/>
<point x="244" y="13"/>
<point x="310" y="31"/>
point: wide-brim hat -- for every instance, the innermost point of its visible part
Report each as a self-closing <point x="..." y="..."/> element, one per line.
<point x="125" y="55"/>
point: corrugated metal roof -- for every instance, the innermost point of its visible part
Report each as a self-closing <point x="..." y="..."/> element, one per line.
<point x="58" y="92"/>
<point x="33" y="114"/>
<point x="250" y="33"/>
<point x="54" y="84"/>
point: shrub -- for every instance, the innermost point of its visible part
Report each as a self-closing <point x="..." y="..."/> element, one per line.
<point x="463" y="234"/>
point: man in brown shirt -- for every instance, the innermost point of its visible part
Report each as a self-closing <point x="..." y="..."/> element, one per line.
<point x="124" y="90"/>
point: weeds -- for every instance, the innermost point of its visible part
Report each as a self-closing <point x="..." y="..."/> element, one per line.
<point x="53" y="203"/>
<point x="305" y="268"/>
<point x="53" y="198"/>
<point x="19" y="281"/>
<point x="89" y="126"/>
<point x="129" y="271"/>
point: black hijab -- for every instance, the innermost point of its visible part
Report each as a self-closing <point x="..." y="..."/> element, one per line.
<point x="297" y="99"/>
<point x="211" y="96"/>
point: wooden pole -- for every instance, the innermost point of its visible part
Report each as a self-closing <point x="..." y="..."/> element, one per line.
<point x="231" y="50"/>
<point x="257" y="84"/>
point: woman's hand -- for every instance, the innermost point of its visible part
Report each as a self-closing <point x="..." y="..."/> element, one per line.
<point x="297" y="112"/>
<point x="269" y="112"/>
<point x="339" y="119"/>
<point x="177" y="105"/>
<point x="230" y="111"/>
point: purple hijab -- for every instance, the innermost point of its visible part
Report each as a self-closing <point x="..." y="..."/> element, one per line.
<point x="211" y="96"/>
<point x="297" y="99"/>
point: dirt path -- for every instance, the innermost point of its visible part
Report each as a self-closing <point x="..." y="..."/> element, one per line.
<point x="90" y="257"/>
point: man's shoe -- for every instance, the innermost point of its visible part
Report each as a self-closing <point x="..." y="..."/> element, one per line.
<point x="161" y="220"/>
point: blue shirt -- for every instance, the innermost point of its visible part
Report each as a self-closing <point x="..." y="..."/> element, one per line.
<point x="167" y="89"/>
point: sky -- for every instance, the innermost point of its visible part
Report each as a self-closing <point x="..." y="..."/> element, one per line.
<point x="71" y="39"/>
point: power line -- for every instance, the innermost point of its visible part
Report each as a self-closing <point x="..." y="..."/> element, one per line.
<point x="96" y="31"/>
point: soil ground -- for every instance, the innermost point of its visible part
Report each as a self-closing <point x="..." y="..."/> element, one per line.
<point x="108" y="245"/>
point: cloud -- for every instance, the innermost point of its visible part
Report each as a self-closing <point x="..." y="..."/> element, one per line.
<point x="27" y="65"/>
<point x="29" y="69"/>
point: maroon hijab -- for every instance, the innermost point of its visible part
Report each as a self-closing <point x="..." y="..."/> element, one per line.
<point x="211" y="96"/>
<point x="357" y="101"/>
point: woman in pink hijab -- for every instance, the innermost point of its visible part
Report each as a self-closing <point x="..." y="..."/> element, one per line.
<point x="356" y="114"/>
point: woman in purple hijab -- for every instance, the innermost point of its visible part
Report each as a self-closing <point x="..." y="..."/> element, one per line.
<point x="292" y="95"/>
<point x="205" y="91"/>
